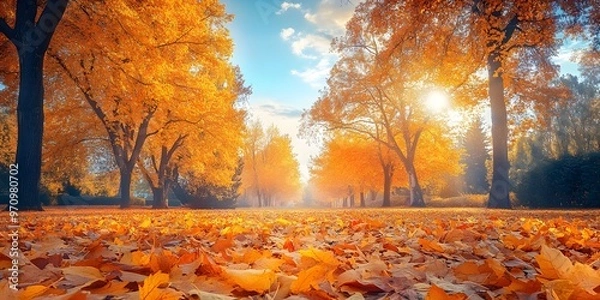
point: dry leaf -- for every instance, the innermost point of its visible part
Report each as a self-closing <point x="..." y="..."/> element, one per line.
<point x="436" y="293"/>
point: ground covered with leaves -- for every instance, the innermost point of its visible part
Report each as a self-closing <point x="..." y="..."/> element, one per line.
<point x="305" y="254"/>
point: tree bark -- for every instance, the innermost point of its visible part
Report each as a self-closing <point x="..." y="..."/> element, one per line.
<point x="159" y="200"/>
<point x="30" y="118"/>
<point x="498" y="197"/>
<point x="387" y="185"/>
<point x="125" y="187"/>
<point x="416" y="193"/>
<point x="362" y="199"/>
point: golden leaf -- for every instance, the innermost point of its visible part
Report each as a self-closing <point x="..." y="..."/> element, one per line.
<point x="436" y="293"/>
<point x="309" y="278"/>
<point x="252" y="280"/>
<point x="154" y="288"/>
<point x="553" y="264"/>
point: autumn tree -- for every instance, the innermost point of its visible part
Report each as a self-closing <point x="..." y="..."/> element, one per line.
<point x="514" y="41"/>
<point x="379" y="85"/>
<point x="356" y="164"/>
<point x="202" y="144"/>
<point x="30" y="33"/>
<point x="271" y="172"/>
<point x="161" y="59"/>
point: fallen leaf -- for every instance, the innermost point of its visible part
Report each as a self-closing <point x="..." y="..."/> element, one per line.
<point x="155" y="288"/>
<point x="436" y="293"/>
<point x="252" y="280"/>
<point x="553" y="264"/>
<point x="308" y="279"/>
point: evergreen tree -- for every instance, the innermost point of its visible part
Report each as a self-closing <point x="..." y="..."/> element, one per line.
<point x="476" y="154"/>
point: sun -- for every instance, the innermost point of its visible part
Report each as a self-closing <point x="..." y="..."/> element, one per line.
<point x="437" y="101"/>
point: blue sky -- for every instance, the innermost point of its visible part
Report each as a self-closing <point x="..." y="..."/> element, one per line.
<point x="283" y="50"/>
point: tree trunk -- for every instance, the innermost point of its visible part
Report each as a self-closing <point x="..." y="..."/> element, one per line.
<point x="498" y="197"/>
<point x="30" y="116"/>
<point x="387" y="186"/>
<point x="416" y="193"/>
<point x="125" y="187"/>
<point x="180" y="192"/>
<point x="362" y="199"/>
<point x="159" y="199"/>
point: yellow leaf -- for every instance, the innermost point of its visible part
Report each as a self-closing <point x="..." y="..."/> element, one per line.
<point x="585" y="277"/>
<point x="252" y="280"/>
<point x="431" y="246"/>
<point x="33" y="291"/>
<point x="154" y="288"/>
<point x="553" y="264"/>
<point x="309" y="278"/>
<point x="268" y="263"/>
<point x="320" y="256"/>
<point x="146" y="223"/>
<point x="140" y="258"/>
<point x="559" y="289"/>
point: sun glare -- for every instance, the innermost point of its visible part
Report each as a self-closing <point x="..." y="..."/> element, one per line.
<point x="437" y="101"/>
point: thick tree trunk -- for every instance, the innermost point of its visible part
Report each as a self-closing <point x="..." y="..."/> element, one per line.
<point x="125" y="187"/>
<point x="159" y="200"/>
<point x="498" y="197"/>
<point x="416" y="193"/>
<point x="30" y="118"/>
<point x="387" y="186"/>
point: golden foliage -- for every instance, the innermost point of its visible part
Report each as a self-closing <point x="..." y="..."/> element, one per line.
<point x="271" y="171"/>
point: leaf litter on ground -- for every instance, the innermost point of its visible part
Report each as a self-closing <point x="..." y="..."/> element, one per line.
<point x="305" y="254"/>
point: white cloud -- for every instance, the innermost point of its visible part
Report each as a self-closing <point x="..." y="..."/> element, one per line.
<point x="315" y="44"/>
<point x="285" y="6"/>
<point x="286" y="33"/>
<point x="316" y="76"/>
<point x="331" y="16"/>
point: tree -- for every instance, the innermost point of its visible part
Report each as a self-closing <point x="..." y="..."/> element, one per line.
<point x="271" y="172"/>
<point x="475" y="157"/>
<point x="570" y="127"/>
<point x="355" y="161"/>
<point x="202" y="143"/>
<point x="202" y="194"/>
<point x="513" y="40"/>
<point x="31" y="36"/>
<point x="378" y="86"/>
<point x="157" y="56"/>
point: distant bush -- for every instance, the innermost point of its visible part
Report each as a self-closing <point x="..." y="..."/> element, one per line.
<point x="470" y="200"/>
<point x="66" y="199"/>
<point x="568" y="182"/>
